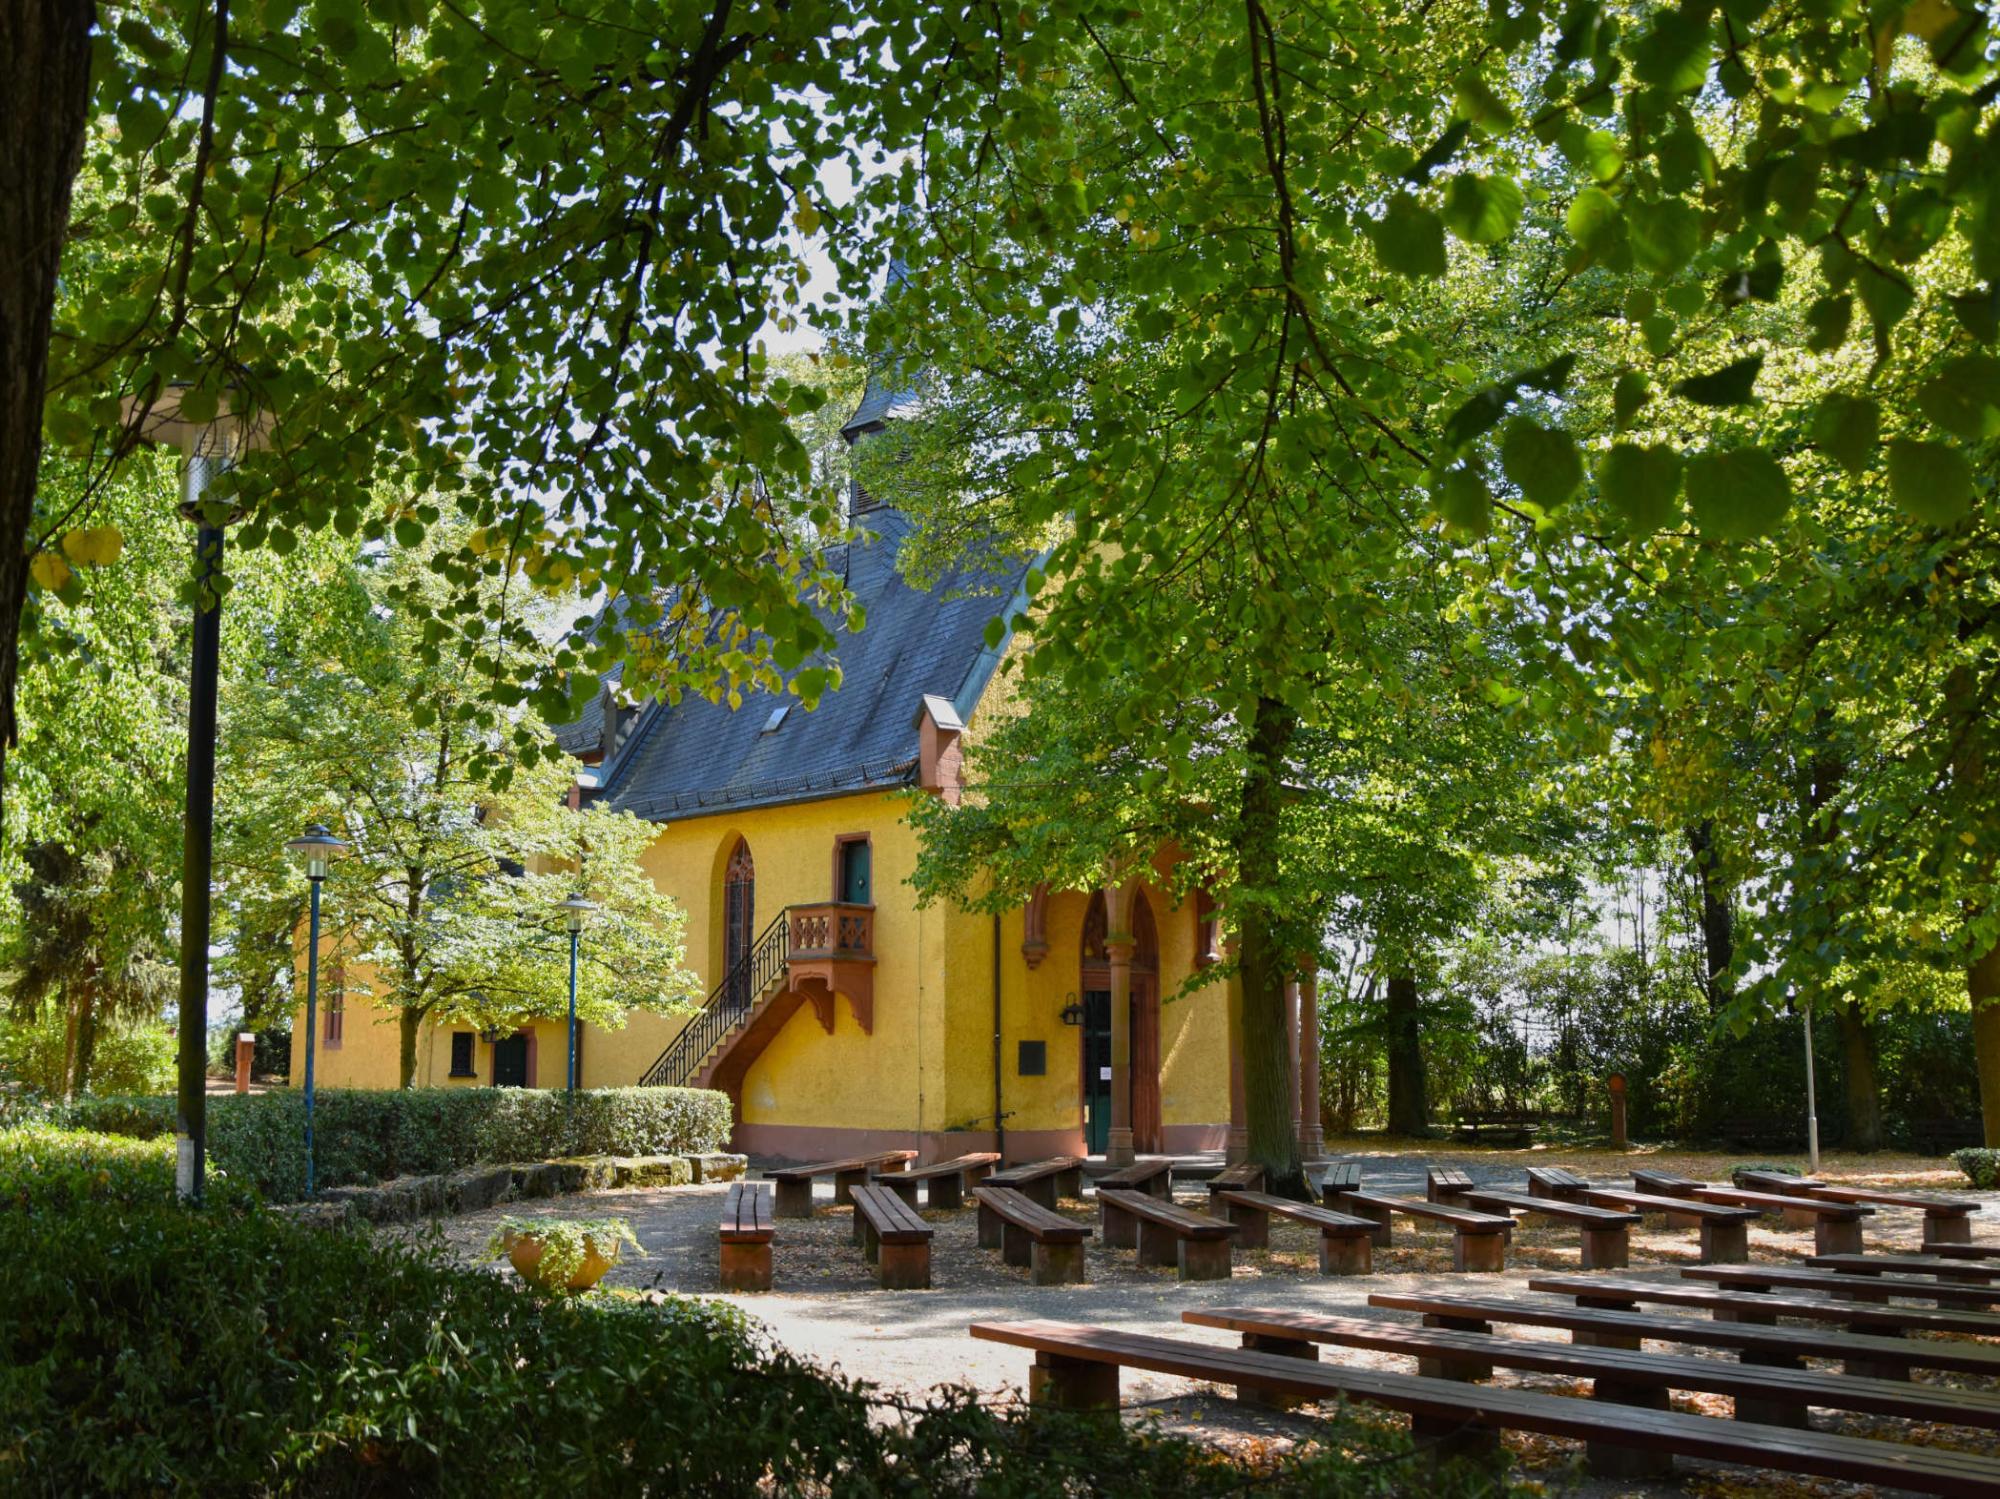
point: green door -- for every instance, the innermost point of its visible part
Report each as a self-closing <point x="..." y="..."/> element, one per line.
<point x="855" y="882"/>
<point x="510" y="1062"/>
<point x="1096" y="1070"/>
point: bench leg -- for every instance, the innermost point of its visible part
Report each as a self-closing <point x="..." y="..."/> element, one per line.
<point x="1072" y="1384"/>
<point x="746" y="1267"/>
<point x="1725" y="1243"/>
<point x="1955" y="1229"/>
<point x="903" y="1267"/>
<point x="1796" y="1218"/>
<point x="1162" y="1186"/>
<point x="1590" y="1337"/>
<point x="1204" y="1259"/>
<point x="1345" y="1254"/>
<point x="871" y="1242"/>
<point x="991" y="1228"/>
<point x="1606" y="1248"/>
<point x="844" y="1183"/>
<point x="1609" y="1460"/>
<point x="1067" y="1184"/>
<point x="1869" y="1368"/>
<point x="1119" y="1228"/>
<point x="1381" y="1216"/>
<point x="948" y="1191"/>
<point x="1458" y="1366"/>
<point x="1057" y="1264"/>
<point x="794" y="1199"/>
<point x="860" y="1229"/>
<point x="1837" y="1236"/>
<point x="1042" y="1191"/>
<point x="1765" y="1410"/>
<point x="1253" y="1226"/>
<point x="1478" y="1252"/>
<point x="1016" y="1248"/>
<point x="1158" y="1244"/>
<point x="1289" y="1347"/>
<point x="903" y="1187"/>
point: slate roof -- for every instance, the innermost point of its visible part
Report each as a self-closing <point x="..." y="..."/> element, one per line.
<point x="695" y="757"/>
<point x="889" y="394"/>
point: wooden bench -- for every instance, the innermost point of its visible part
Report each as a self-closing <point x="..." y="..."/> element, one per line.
<point x="1028" y="1234"/>
<point x="1907" y="1264"/>
<point x="1836" y="1225"/>
<point x="1753" y="1342"/>
<point x="1774" y="1181"/>
<point x="747" y="1231"/>
<point x="1166" y="1234"/>
<point x="1946" y="1249"/>
<point x="1155" y="1177"/>
<point x="1946" y="1221"/>
<point x="1664" y="1183"/>
<point x="1244" y="1176"/>
<point x="1725" y="1231"/>
<point x="1769" y="1394"/>
<point x="1557" y="1182"/>
<point x="1339" y="1178"/>
<point x="1515" y="1125"/>
<point x="795" y="1183"/>
<point x="1345" y="1242"/>
<point x="1769" y="1306"/>
<point x="1445" y="1184"/>
<point x="896" y="1241"/>
<point x="1044" y="1181"/>
<point x="1838" y="1283"/>
<point x="945" y="1182"/>
<point x="1077" y="1368"/>
<point x="1607" y="1243"/>
<point x="1479" y="1240"/>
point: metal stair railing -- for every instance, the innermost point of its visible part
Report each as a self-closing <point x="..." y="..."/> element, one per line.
<point x="725" y="1008"/>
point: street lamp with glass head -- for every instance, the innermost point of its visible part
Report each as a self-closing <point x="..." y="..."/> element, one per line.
<point x="315" y="850"/>
<point x="576" y="910"/>
<point x="211" y="438"/>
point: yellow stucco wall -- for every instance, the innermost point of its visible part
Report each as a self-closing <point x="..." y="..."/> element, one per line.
<point x="928" y="1066"/>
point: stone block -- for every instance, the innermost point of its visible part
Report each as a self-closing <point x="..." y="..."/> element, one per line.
<point x="594" y="1172"/>
<point x="653" y="1171"/>
<point x="320" y="1214"/>
<point x="481" y="1187"/>
<point x="718" y="1167"/>
<point x="537" y="1179"/>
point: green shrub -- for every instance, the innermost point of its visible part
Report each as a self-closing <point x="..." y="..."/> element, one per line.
<point x="363" y="1135"/>
<point x="1980" y="1164"/>
<point x="221" y="1353"/>
<point x="126" y="1059"/>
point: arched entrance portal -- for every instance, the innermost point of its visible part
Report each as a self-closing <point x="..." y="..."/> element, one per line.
<point x="1095" y="989"/>
<point x="739" y="919"/>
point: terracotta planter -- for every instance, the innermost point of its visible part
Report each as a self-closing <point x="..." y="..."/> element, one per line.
<point x="524" y="1252"/>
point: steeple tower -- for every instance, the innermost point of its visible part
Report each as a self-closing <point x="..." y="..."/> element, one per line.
<point x="890" y="394"/>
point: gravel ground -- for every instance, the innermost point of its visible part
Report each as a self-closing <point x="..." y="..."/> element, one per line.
<point x="825" y="1307"/>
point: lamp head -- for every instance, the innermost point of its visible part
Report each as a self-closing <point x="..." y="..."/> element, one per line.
<point x="316" y="848"/>
<point x="576" y="910"/>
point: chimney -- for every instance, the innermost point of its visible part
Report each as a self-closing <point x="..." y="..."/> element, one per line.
<point x="940" y="761"/>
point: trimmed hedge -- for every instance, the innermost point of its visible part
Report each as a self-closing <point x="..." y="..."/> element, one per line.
<point x="1980" y="1164"/>
<point x="226" y="1353"/>
<point x="364" y="1136"/>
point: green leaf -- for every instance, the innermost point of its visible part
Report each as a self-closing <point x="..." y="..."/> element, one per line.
<point x="1978" y="313"/>
<point x="1931" y="480"/>
<point x="1409" y="238"/>
<point x="1886" y="297"/>
<point x="1438" y="152"/>
<point x="1482" y="210"/>
<point x="1829" y="319"/>
<point x="1848" y="429"/>
<point x="1738" y="494"/>
<point x="1964" y="398"/>
<point x="1541" y="461"/>
<point x="1729" y="386"/>
<point x="1665" y="234"/>
<point x="1632" y="391"/>
<point x="1642" y="484"/>
<point x="1465" y="502"/>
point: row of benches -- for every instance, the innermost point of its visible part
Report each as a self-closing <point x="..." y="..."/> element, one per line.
<point x="1627" y="1428"/>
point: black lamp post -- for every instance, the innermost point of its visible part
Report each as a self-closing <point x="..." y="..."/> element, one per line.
<point x="575" y="910"/>
<point x="317" y="849"/>
<point x="210" y="447"/>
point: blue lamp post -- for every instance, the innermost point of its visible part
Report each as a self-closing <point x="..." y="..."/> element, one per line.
<point x="316" y="850"/>
<point x="574" y="910"/>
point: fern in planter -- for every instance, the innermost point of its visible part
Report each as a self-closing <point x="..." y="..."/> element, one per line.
<point x="566" y="1248"/>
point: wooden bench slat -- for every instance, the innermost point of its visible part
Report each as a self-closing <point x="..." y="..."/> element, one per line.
<point x="1664" y="1183"/>
<point x="1934" y="1207"/>
<point x="891" y="1217"/>
<point x="1181" y="1220"/>
<point x="1025" y="1213"/>
<point x="746" y="1213"/>
<point x="1448" y="1401"/>
<point x="1463" y="1219"/>
<point x="1304" y="1212"/>
<point x="1907" y="1264"/>
<point x="1056" y="1165"/>
<point x="1781" y="1182"/>
<point x="1244" y="1176"/>
<point x="1764" y="1339"/>
<point x="1777" y="1202"/>
<point x="828" y="1168"/>
<point x="1763" y="1382"/>
<point x="1771" y="1304"/>
<point x="956" y="1166"/>
<point x="1957" y="1251"/>
<point x="1872" y="1287"/>
<point x="1648" y="1202"/>
<point x="1552" y="1207"/>
<point x="1138" y="1173"/>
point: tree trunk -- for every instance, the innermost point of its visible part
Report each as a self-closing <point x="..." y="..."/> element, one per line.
<point x="407" y="1022"/>
<point x="1982" y="987"/>
<point x="1718" y="914"/>
<point x="1864" y="1087"/>
<point x="45" y="81"/>
<point x="86" y="1042"/>
<point x="1264" y="959"/>
<point x="1409" y="1110"/>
